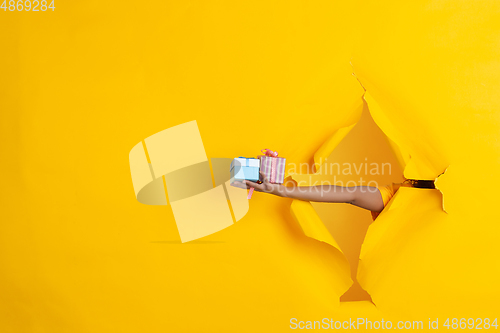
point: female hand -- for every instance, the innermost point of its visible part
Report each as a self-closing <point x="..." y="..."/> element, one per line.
<point x="265" y="186"/>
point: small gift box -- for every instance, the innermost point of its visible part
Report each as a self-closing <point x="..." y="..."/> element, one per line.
<point x="272" y="166"/>
<point x="243" y="168"/>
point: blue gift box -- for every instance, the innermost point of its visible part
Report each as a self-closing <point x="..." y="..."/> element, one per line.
<point x="243" y="168"/>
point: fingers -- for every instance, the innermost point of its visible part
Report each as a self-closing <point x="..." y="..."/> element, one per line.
<point x="249" y="184"/>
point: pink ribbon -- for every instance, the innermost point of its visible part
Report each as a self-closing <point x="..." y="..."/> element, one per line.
<point x="273" y="170"/>
<point x="269" y="152"/>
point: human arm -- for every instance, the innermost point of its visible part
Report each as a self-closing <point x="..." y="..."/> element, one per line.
<point x="367" y="197"/>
